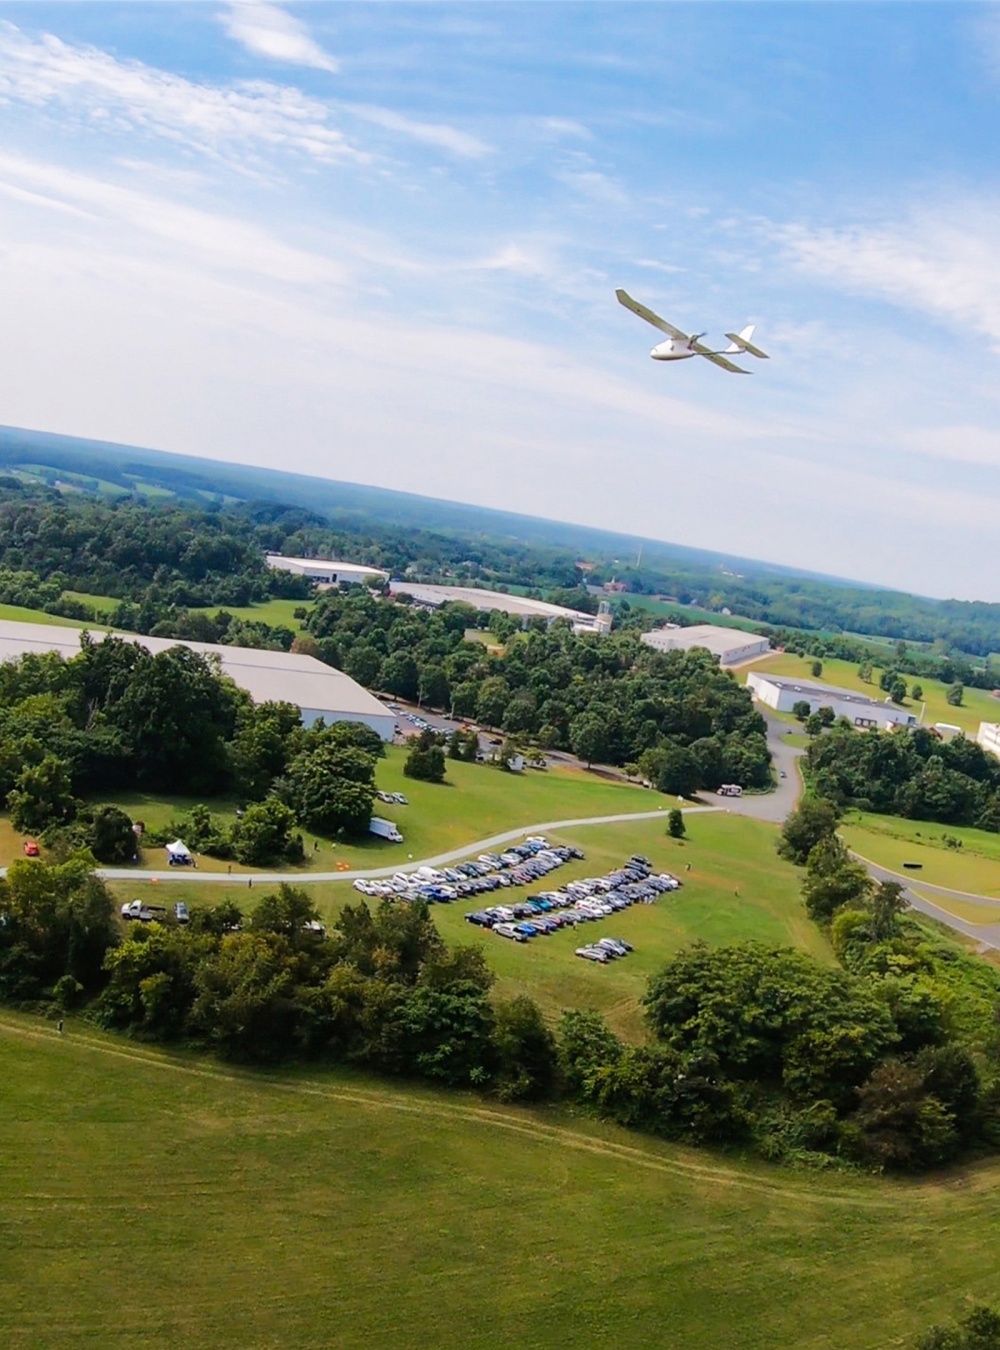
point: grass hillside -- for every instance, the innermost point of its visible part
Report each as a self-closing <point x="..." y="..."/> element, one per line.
<point x="156" y="1202"/>
<point x="978" y="705"/>
<point x="893" y="841"/>
<point x="737" y="888"/>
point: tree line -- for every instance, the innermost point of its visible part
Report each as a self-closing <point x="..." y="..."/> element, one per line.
<point x="916" y="775"/>
<point x="117" y="717"/>
<point x="676" y="716"/>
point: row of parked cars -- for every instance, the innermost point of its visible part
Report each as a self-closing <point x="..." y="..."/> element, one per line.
<point x="396" y="797"/>
<point x="517" y="866"/>
<point x="578" y="902"/>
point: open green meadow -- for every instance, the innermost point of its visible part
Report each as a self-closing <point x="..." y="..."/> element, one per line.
<point x="18" y="614"/>
<point x="893" y="841"/>
<point x="737" y="888"/>
<point x="156" y="1201"/>
<point x="476" y="801"/>
<point x="276" y="613"/>
<point x="978" y="705"/>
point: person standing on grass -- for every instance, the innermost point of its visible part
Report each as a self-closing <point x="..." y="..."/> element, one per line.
<point x="59" y="1026"/>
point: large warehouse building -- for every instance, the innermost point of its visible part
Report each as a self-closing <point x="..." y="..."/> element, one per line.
<point x="782" y="694"/>
<point x="518" y="606"/>
<point x="732" y="646"/>
<point x="327" y="571"/>
<point x="316" y="689"/>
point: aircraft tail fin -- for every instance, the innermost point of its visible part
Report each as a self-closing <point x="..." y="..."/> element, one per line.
<point x="741" y="343"/>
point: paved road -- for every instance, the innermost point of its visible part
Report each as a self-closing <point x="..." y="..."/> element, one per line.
<point x="987" y="934"/>
<point x="773" y="806"/>
<point x="440" y="860"/>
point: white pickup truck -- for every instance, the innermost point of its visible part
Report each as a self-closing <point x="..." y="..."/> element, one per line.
<point x="138" y="909"/>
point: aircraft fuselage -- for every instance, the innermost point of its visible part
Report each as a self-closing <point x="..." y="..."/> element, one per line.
<point x="672" y="350"/>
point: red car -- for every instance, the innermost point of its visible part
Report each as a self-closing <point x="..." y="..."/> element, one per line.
<point x="31" y="849"/>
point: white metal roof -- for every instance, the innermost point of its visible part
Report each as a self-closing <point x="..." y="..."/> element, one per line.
<point x="266" y="676"/>
<point x="493" y="600"/>
<point x="279" y="561"/>
<point x="716" y="639"/>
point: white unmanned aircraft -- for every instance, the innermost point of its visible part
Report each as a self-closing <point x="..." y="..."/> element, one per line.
<point x="679" y="346"/>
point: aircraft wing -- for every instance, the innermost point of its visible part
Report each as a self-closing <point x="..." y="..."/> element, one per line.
<point x="718" y="360"/>
<point x="625" y="299"/>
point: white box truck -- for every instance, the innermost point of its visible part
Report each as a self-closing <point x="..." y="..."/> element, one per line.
<point x="385" y="829"/>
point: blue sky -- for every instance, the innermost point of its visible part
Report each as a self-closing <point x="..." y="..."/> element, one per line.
<point x="380" y="242"/>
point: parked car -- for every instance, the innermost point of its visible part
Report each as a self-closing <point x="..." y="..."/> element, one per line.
<point x="507" y="930"/>
<point x="31" y="849"/>
<point x="593" y="954"/>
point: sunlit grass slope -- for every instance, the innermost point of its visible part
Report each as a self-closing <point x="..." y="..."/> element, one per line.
<point x="159" y="1203"/>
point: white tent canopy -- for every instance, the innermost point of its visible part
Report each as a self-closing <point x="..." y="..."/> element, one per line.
<point x="179" y="850"/>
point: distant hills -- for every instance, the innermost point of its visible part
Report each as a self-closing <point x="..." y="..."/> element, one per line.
<point x="76" y="464"/>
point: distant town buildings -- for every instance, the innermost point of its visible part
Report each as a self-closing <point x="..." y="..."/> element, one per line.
<point x="732" y="646"/>
<point x="782" y="694"/>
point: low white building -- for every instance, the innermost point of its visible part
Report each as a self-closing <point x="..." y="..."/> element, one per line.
<point x="989" y="737"/>
<point x="782" y="694"/>
<point x="518" y="606"/>
<point x="318" y="690"/>
<point x="732" y="646"/>
<point x="327" y="571"/>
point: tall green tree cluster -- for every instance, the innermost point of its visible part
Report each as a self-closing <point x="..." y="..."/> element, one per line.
<point x="609" y="700"/>
<point x="917" y="775"/>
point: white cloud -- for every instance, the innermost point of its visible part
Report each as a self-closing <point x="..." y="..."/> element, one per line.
<point x="268" y="30"/>
<point x="438" y="134"/>
<point x="227" y="243"/>
<point x="943" y="263"/>
<point x="130" y="97"/>
<point x="594" y="185"/>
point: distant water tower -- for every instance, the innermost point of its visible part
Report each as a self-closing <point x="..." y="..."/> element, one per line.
<point x="603" y="621"/>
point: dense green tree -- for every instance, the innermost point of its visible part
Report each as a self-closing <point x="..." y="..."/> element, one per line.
<point x="332" y="788"/>
<point x="833" y="881"/>
<point x="263" y="834"/>
<point x="110" y="836"/>
<point x="524" y="1050"/>
<point x="955" y="695"/>
<point x="42" y="796"/>
<point x="814" y="819"/>
<point x="58" y="920"/>
<point x="675" y="824"/>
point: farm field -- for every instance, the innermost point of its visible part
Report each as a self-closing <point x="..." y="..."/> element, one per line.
<point x="727" y="854"/>
<point x="891" y="841"/>
<point x="978" y="705"/>
<point x="316" y="1210"/>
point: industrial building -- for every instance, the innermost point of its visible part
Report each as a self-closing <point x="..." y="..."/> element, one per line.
<point x="782" y="694"/>
<point x="732" y="646"/>
<point x="316" y="689"/>
<point x="518" y="606"/>
<point x="989" y="737"/>
<point x="326" y="571"/>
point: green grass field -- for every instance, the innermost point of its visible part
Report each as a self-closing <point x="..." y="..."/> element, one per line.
<point x="162" y="1203"/>
<point x="978" y="705"/>
<point x="477" y="801"/>
<point x="277" y="613"/>
<point x="19" y="614"/>
<point x="891" y="841"/>
<point x="727" y="854"/>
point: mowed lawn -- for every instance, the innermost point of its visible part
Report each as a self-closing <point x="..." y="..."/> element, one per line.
<point x="160" y="1202"/>
<point x="277" y="613"/>
<point x="978" y="705"/>
<point x="737" y="888"/>
<point x="476" y="801"/>
<point x="893" y="841"/>
<point x="19" y="614"/>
